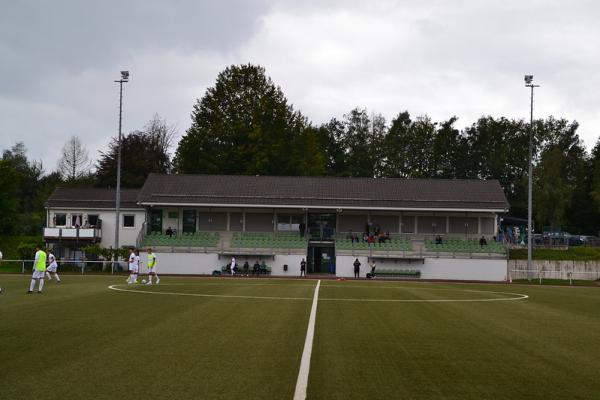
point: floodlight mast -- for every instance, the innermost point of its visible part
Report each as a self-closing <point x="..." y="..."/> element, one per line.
<point x="529" y="83"/>
<point x="124" y="79"/>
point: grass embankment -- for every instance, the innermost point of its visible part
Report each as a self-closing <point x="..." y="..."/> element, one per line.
<point x="571" y="254"/>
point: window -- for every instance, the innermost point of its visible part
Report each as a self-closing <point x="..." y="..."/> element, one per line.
<point x="92" y="220"/>
<point x="128" y="221"/>
<point x="76" y="220"/>
<point x="60" y="219"/>
<point x="288" y="222"/>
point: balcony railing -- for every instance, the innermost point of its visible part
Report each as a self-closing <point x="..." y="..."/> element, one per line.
<point x="73" y="233"/>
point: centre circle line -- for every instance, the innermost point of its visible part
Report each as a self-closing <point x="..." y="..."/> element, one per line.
<point x="516" y="296"/>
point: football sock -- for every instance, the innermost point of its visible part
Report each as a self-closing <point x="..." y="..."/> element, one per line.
<point x="32" y="285"/>
<point x="56" y="276"/>
<point x="41" y="284"/>
<point x="48" y="275"/>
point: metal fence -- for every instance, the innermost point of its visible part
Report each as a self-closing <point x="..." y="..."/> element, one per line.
<point x="99" y="266"/>
<point x="541" y="274"/>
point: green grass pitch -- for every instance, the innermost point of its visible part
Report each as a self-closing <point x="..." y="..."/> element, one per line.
<point x="216" y="338"/>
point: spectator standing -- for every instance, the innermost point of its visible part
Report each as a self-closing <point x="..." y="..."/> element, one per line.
<point x="373" y="269"/>
<point x="303" y="268"/>
<point x="302" y="229"/>
<point x="357" y="268"/>
<point x="246" y="268"/>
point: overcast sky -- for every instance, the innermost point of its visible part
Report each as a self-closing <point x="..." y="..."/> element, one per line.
<point x="58" y="61"/>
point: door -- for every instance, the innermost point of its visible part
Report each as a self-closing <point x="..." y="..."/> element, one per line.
<point x="321" y="259"/>
<point x="155" y="224"/>
<point x="189" y="220"/>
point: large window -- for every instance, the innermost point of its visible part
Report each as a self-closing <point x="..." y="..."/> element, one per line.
<point x="289" y="222"/>
<point x="76" y="220"/>
<point x="60" y="219"/>
<point x="128" y="221"/>
<point x="92" y="220"/>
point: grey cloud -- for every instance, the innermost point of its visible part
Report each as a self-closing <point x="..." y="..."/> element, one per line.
<point x="43" y="39"/>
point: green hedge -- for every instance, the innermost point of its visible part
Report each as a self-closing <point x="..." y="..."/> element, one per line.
<point x="573" y="253"/>
<point x="9" y="245"/>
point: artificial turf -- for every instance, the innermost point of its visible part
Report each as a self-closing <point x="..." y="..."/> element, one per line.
<point x="81" y="340"/>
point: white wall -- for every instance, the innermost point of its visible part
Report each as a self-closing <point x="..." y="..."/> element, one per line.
<point x="292" y="261"/>
<point x="205" y="264"/>
<point x="432" y="268"/>
<point x="183" y="263"/>
<point x="344" y="266"/>
<point x="463" y="269"/>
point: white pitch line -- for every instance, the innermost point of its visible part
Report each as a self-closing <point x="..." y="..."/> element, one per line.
<point x="114" y="287"/>
<point x="518" y="296"/>
<point x="302" y="382"/>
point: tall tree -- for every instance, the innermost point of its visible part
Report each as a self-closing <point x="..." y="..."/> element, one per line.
<point x="142" y="152"/>
<point x="563" y="158"/>
<point x="9" y="196"/>
<point x="395" y="152"/>
<point x="330" y="136"/>
<point x="74" y="162"/>
<point x="242" y="125"/>
<point x="29" y="216"/>
<point x="450" y="152"/>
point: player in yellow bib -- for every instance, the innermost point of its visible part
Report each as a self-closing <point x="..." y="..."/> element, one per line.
<point x="39" y="270"/>
<point x="151" y="265"/>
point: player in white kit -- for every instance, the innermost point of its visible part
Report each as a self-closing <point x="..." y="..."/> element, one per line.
<point x="52" y="266"/>
<point x="133" y="267"/>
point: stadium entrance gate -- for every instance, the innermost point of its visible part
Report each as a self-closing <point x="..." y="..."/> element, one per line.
<point x="321" y="257"/>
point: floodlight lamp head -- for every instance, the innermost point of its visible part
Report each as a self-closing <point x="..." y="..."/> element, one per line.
<point x="124" y="75"/>
<point x="528" y="79"/>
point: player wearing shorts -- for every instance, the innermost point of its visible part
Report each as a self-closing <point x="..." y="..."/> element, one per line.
<point x="52" y="266"/>
<point x="39" y="270"/>
<point x="152" y="267"/>
<point x="133" y="267"/>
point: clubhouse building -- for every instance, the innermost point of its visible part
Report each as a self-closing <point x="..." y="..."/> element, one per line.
<point x="411" y="228"/>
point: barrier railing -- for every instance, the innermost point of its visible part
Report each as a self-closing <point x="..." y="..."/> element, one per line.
<point x="541" y="274"/>
<point x="104" y="266"/>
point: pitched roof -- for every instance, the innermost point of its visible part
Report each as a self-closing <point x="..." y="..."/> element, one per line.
<point x="327" y="192"/>
<point x="91" y="198"/>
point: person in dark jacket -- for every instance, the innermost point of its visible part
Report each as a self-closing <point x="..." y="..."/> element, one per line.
<point x="357" y="268"/>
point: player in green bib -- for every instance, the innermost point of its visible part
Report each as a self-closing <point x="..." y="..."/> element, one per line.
<point x="39" y="270"/>
<point x="151" y="265"/>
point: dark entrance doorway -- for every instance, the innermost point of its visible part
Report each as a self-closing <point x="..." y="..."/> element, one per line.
<point x="155" y="224"/>
<point x="321" y="258"/>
